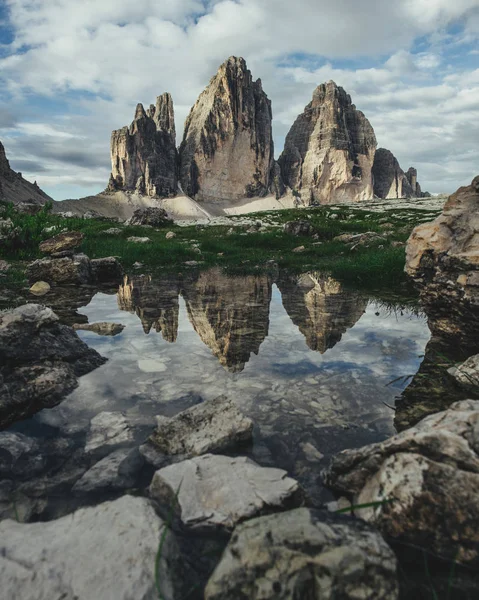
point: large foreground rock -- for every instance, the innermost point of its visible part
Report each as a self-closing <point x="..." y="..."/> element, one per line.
<point x="211" y="426"/>
<point x="428" y="479"/>
<point x="443" y="256"/>
<point x="143" y="156"/>
<point x="40" y="360"/>
<point x="329" y="151"/>
<point x="219" y="491"/>
<point x="106" y="552"/>
<point x="304" y="554"/>
<point x="227" y="149"/>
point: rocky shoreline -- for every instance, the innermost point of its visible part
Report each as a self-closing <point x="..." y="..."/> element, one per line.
<point x="199" y="516"/>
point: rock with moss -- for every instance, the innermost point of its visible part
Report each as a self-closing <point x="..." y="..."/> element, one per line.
<point x="304" y="553"/>
<point x="424" y="483"/>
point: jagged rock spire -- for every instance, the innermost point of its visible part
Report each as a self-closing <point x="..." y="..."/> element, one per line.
<point x="143" y="155"/>
<point x="227" y="149"/>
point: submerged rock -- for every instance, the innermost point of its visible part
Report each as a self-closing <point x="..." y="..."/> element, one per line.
<point x="100" y="328"/>
<point x="426" y="480"/>
<point x="108" y="429"/>
<point x="40" y="360"/>
<point x="304" y="554"/>
<point x="211" y="426"/>
<point x="107" y="551"/>
<point x="218" y="491"/>
<point x="40" y="288"/>
<point x="117" y="471"/>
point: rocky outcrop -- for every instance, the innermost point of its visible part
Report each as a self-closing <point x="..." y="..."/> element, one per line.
<point x="231" y="315"/>
<point x="79" y="556"/>
<point x="320" y="307"/>
<point x="212" y="426"/>
<point x="155" y="302"/>
<point x="77" y="269"/>
<point x="298" y="228"/>
<point x="62" y="242"/>
<point x="390" y="181"/>
<point x="40" y="360"/>
<point x="425" y="481"/>
<point x="151" y="216"/>
<point x="144" y="156"/>
<point x="304" y="554"/>
<point x="329" y="151"/>
<point x="219" y="491"/>
<point x="14" y="188"/>
<point x="443" y="256"/>
<point x="227" y="149"/>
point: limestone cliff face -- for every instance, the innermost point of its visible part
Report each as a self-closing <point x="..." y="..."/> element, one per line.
<point x="320" y="307"/>
<point x="329" y="150"/>
<point x="230" y="314"/>
<point x="155" y="302"/>
<point x="227" y="149"/>
<point x="390" y="181"/>
<point x="14" y="188"/>
<point x="143" y="155"/>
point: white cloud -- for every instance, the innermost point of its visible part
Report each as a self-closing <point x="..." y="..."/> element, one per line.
<point x="116" y="53"/>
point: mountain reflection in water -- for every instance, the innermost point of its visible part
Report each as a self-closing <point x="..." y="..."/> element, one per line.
<point x="307" y="359"/>
<point x="231" y="314"/>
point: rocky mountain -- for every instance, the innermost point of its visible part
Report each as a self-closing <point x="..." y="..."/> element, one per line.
<point x="227" y="148"/>
<point x="14" y="188"/>
<point x="390" y="181"/>
<point x="329" y="150"/>
<point x="320" y="307"/>
<point x="143" y="155"/>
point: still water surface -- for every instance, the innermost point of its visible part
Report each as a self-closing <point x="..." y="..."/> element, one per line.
<point x="307" y="360"/>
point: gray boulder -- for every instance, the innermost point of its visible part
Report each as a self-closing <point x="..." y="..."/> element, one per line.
<point x="117" y="471"/>
<point x="467" y="374"/>
<point x="219" y="491"/>
<point x="107" y="551"/>
<point x="108" y="429"/>
<point x="68" y="240"/>
<point x="40" y="361"/>
<point x="298" y="228"/>
<point x="304" y="554"/>
<point x="67" y="270"/>
<point x="106" y="271"/>
<point x="154" y="217"/>
<point x="426" y="481"/>
<point x="211" y="426"/>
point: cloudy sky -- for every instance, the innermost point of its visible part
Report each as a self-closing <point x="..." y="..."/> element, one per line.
<point x="73" y="70"/>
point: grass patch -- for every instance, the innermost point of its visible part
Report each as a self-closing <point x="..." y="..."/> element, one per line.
<point x="237" y="251"/>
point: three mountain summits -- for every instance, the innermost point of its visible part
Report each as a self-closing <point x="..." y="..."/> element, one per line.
<point x="227" y="152"/>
